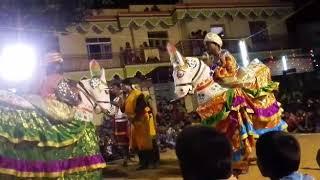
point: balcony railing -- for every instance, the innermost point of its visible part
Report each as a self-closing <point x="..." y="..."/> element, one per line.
<point x="195" y="47"/>
<point x="99" y="56"/>
<point x="116" y="59"/>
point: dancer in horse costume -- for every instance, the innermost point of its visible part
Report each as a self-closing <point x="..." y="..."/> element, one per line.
<point x="51" y="135"/>
<point x="239" y="102"/>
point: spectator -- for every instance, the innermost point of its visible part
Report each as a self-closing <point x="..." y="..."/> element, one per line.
<point x="146" y="9"/>
<point x="122" y="56"/>
<point x="278" y="156"/>
<point x="302" y="114"/>
<point x="204" y="153"/>
<point x="316" y="118"/>
<point x="318" y="157"/>
<point x="196" y="48"/>
<point x="204" y="33"/>
<point x="145" y="45"/>
<point x="155" y="8"/>
<point x="129" y="54"/>
<point x="194" y="44"/>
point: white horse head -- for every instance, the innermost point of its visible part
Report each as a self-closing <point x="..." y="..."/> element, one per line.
<point x="95" y="92"/>
<point x="190" y="73"/>
<point x="187" y="72"/>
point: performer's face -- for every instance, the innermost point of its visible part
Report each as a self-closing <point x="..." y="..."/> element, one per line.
<point x="213" y="48"/>
<point x="126" y="88"/>
<point x="115" y="90"/>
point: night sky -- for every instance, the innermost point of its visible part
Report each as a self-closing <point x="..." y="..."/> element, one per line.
<point x="125" y="3"/>
<point x="310" y="13"/>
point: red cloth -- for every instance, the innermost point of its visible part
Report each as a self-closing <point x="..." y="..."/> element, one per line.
<point x="121" y="131"/>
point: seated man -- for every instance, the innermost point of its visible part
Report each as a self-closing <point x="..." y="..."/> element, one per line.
<point x="226" y="70"/>
<point x="221" y="61"/>
<point x="204" y="153"/>
<point x="278" y="156"/>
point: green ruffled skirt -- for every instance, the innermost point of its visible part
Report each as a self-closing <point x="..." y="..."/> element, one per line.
<point x="33" y="146"/>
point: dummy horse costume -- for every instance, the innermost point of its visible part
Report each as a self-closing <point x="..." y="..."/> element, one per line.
<point x="242" y="108"/>
<point x="49" y="138"/>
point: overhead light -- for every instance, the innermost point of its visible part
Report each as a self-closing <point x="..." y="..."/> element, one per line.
<point x="17" y="62"/>
<point x="284" y="63"/>
<point x="244" y="53"/>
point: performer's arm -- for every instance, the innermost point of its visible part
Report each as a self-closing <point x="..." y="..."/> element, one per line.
<point x="228" y="67"/>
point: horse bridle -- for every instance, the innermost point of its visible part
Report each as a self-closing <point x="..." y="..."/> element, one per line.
<point x="95" y="103"/>
<point x="196" y="76"/>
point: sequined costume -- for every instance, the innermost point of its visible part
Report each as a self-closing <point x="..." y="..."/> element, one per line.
<point x="250" y="107"/>
<point x="46" y="136"/>
<point x="225" y="67"/>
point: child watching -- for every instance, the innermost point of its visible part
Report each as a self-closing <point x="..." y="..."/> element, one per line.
<point x="278" y="156"/>
<point x="204" y="154"/>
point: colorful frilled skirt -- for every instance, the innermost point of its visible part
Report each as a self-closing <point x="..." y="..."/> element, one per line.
<point x="32" y="146"/>
<point x="243" y="116"/>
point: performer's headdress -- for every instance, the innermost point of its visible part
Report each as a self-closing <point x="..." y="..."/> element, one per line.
<point x="212" y="37"/>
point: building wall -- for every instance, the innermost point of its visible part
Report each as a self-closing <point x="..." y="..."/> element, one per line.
<point x="229" y="1"/>
<point x="141" y="34"/>
<point x="74" y="45"/>
<point x="140" y="8"/>
<point x="235" y="27"/>
<point x="112" y="12"/>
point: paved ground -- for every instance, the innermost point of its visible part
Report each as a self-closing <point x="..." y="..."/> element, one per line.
<point x="169" y="167"/>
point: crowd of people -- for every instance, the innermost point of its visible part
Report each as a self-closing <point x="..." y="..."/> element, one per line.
<point x="154" y="8"/>
<point x="128" y="55"/>
<point x="171" y="118"/>
<point x="302" y="114"/>
<point x="204" y="153"/>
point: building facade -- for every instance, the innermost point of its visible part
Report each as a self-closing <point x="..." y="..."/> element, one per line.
<point x="127" y="41"/>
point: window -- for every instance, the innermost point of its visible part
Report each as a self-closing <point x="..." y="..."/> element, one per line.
<point x="257" y="26"/>
<point x="217" y="29"/>
<point x="158" y="39"/>
<point x="99" y="48"/>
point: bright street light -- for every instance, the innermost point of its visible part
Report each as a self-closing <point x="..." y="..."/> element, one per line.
<point x="244" y="53"/>
<point x="17" y="62"/>
<point x="284" y="63"/>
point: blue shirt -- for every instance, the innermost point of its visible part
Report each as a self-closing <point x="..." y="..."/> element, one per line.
<point x="297" y="176"/>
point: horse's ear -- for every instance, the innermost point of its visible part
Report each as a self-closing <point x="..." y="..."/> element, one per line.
<point x="83" y="78"/>
<point x="192" y="91"/>
<point x="103" y="76"/>
<point x="95" y="68"/>
<point x="175" y="56"/>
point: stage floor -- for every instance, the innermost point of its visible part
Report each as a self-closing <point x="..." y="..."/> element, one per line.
<point x="169" y="169"/>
